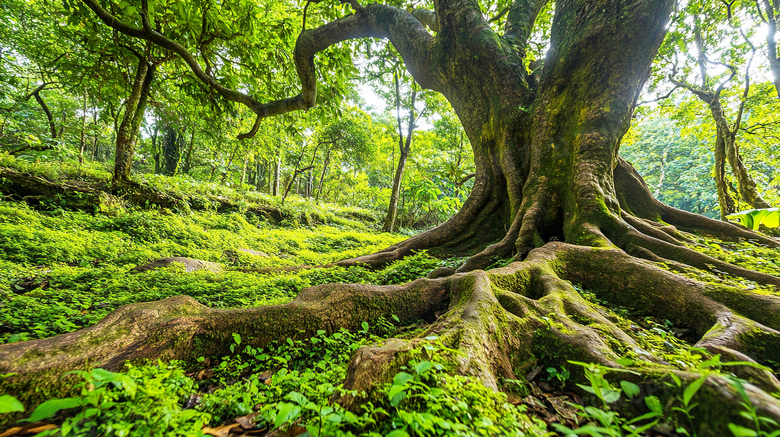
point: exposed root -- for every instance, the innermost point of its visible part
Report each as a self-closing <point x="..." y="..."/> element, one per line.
<point x="696" y="259"/>
<point x="181" y="328"/>
<point x="473" y="227"/>
<point x="635" y="199"/>
<point x="504" y="321"/>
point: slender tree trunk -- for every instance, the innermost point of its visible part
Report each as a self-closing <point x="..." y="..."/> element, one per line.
<point x="243" y="171"/>
<point x="404" y="148"/>
<point x="171" y="151"/>
<point x="187" y="166"/>
<point x="93" y="152"/>
<point x="131" y="121"/>
<point x="277" y="174"/>
<point x="259" y="174"/>
<point x="392" y="211"/>
<point x="324" y="172"/>
<point x="726" y="202"/>
<point x="49" y="117"/>
<point x="771" y="13"/>
<point x="726" y="150"/>
<point x="156" y="149"/>
<point x="82" y="138"/>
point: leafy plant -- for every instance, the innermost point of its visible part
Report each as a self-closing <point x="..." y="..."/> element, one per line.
<point x="762" y="426"/>
<point x="604" y="422"/>
<point x="753" y="218"/>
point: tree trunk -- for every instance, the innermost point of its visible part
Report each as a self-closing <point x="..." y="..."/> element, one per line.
<point x="93" y="152"/>
<point x="404" y="147"/>
<point x="156" y="149"/>
<point x="171" y="151"/>
<point x="277" y="174"/>
<point x="187" y="165"/>
<point x="773" y="55"/>
<point x="324" y="172"/>
<point x="131" y="121"/>
<point x="395" y="193"/>
<point x="259" y="174"/>
<point x="49" y="117"/>
<point x="243" y="171"/>
<point x="82" y="139"/>
<point x="730" y="150"/>
<point x="726" y="202"/>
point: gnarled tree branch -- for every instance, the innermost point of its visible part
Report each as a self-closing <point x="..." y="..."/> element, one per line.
<point x="406" y="33"/>
<point x="521" y="19"/>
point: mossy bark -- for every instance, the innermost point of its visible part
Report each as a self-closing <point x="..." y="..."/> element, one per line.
<point x="135" y="107"/>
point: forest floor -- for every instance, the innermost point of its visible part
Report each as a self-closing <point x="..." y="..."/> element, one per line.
<point x="63" y="268"/>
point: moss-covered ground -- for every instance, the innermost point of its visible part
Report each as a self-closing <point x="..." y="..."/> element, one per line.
<point x="62" y="270"/>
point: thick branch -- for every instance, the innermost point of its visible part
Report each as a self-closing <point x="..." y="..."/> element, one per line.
<point x="521" y="19"/>
<point x="406" y="33"/>
<point x="37" y="94"/>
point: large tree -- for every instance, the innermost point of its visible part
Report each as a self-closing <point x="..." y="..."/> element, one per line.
<point x="550" y="190"/>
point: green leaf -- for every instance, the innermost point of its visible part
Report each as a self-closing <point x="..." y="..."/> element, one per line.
<point x="286" y="413"/>
<point x="630" y="389"/>
<point x="365" y="326"/>
<point x="423" y="367"/>
<point x="654" y="404"/>
<point x="610" y="395"/>
<point x="676" y="380"/>
<point x="237" y="338"/>
<point x="9" y="404"/>
<point x="296" y="397"/>
<point x="396" y="395"/>
<point x="49" y="408"/>
<point x="741" y="431"/>
<point x="402" y="378"/>
<point x="692" y="389"/>
<point x="397" y="433"/>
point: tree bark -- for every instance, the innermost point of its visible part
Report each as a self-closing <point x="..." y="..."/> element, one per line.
<point x="49" y="117"/>
<point x="127" y="132"/>
<point x="771" y="11"/>
<point x="277" y="174"/>
<point x="404" y="147"/>
<point x="324" y="172"/>
<point x="82" y="135"/>
<point x="187" y="164"/>
<point x="171" y="151"/>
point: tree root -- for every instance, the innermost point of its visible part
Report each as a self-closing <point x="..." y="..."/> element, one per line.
<point x="503" y="323"/>
<point x="181" y="328"/>
<point x="500" y="324"/>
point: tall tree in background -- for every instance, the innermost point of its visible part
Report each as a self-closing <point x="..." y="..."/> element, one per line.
<point x="768" y="11"/>
<point x="710" y="92"/>
<point x="550" y="191"/>
<point x="404" y="147"/>
<point x="133" y="115"/>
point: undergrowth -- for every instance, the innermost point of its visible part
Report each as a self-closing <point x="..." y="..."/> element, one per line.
<point x="64" y="270"/>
